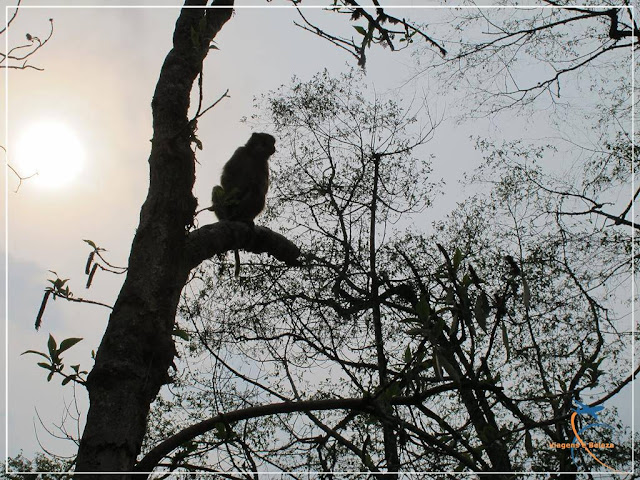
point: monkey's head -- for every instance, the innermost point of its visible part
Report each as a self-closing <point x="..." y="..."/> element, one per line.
<point x="262" y="144"/>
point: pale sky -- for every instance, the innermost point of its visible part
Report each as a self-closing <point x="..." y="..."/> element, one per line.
<point x="101" y="67"/>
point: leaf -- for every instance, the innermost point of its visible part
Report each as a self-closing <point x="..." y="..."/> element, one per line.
<point x="438" y="327"/>
<point x="409" y="320"/>
<point x="41" y="310"/>
<point x="457" y="258"/>
<point x="415" y="332"/>
<point x="224" y="432"/>
<point x="53" y="347"/>
<point x="505" y="340"/>
<point x="87" y="267"/>
<point x="454" y="326"/>
<point x="436" y="366"/>
<point x="449" y="368"/>
<point x="66" y="380"/>
<point x="50" y="376"/>
<point x="528" y="444"/>
<point x="360" y="29"/>
<point x="178" y="332"/>
<point x="67" y="343"/>
<point x="213" y="47"/>
<point x="93" y="272"/>
<point x="526" y="293"/>
<point x="563" y="385"/>
<point x="423" y="310"/>
<point x="450" y="298"/>
<point x="46" y="366"/>
<point x="91" y="244"/>
<point x="481" y="309"/>
<point x="390" y="392"/>
<point x="220" y="430"/>
<point x="37" y="353"/>
<point x="407" y="354"/>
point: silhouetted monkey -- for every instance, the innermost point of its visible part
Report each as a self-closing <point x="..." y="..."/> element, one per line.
<point x="244" y="183"/>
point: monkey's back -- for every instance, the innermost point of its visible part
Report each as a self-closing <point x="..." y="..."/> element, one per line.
<point x="245" y="180"/>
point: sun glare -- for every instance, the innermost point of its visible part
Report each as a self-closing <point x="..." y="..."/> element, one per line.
<point x="52" y="151"/>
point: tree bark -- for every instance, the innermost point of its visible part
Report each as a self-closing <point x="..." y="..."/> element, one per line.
<point x="137" y="348"/>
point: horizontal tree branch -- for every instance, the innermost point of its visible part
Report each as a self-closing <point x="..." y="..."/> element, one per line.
<point x="221" y="237"/>
<point x="153" y="457"/>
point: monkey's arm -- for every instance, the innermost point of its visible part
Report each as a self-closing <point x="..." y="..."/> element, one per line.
<point x="221" y="237"/>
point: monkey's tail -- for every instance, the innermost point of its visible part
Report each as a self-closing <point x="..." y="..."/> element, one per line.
<point x="236" y="254"/>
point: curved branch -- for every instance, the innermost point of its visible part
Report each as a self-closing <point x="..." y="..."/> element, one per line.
<point x="616" y="390"/>
<point x="151" y="459"/>
<point x="17" y="7"/>
<point x="221" y="237"/>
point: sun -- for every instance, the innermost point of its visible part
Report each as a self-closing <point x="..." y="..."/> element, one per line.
<point x="51" y="151"/>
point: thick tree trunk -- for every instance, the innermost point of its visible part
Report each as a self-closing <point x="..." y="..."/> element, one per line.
<point x="137" y="348"/>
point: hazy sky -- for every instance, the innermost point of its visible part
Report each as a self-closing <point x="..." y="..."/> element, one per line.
<point x="101" y="67"/>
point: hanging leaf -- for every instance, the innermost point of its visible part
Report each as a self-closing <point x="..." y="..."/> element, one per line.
<point x="52" y="346"/>
<point x="93" y="272"/>
<point x="528" y="444"/>
<point x="454" y="326"/>
<point x="423" y="310"/>
<point x="41" y="310"/>
<point x="87" y="267"/>
<point x="436" y="366"/>
<point x="526" y="293"/>
<point x="438" y="327"/>
<point x="457" y="258"/>
<point x="505" y="340"/>
<point x="481" y="309"/>
<point x="450" y="298"/>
